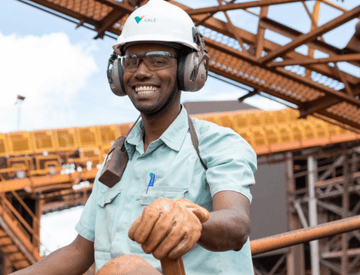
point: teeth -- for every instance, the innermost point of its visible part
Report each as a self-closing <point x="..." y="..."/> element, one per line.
<point x="143" y="90"/>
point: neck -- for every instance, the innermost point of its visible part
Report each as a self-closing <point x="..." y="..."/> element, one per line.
<point x="155" y="125"/>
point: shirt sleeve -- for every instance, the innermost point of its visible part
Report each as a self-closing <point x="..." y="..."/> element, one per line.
<point x="230" y="159"/>
<point x="86" y="225"/>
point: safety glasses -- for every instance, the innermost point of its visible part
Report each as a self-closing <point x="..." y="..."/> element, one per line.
<point x="152" y="60"/>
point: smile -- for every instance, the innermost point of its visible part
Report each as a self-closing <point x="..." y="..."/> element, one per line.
<point x="145" y="90"/>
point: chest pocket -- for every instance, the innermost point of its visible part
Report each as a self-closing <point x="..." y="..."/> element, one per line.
<point x="106" y="211"/>
<point x="107" y="197"/>
<point x="146" y="199"/>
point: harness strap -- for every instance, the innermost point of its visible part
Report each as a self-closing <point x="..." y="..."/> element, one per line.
<point x="193" y="135"/>
<point x="195" y="141"/>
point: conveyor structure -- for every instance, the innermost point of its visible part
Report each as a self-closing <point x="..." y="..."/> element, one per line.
<point x="47" y="170"/>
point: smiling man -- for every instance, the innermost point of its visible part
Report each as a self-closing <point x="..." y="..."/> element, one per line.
<point x="150" y="73"/>
<point x="185" y="189"/>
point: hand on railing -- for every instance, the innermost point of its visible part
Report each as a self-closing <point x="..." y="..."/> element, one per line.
<point x="168" y="229"/>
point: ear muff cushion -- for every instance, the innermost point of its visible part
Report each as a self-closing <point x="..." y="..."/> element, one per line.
<point x="186" y="65"/>
<point x="180" y="72"/>
<point x="117" y="78"/>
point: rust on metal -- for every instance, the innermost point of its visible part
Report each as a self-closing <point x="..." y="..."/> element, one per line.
<point x="108" y="16"/>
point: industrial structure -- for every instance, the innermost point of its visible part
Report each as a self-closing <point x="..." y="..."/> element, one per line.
<point x="317" y="145"/>
<point x="47" y="170"/>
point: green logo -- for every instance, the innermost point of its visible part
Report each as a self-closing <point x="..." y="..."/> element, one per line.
<point x="139" y="18"/>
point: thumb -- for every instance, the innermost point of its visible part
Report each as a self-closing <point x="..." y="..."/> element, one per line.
<point x="200" y="212"/>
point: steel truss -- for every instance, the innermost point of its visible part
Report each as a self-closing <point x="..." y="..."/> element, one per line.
<point x="323" y="187"/>
<point x="323" y="190"/>
<point x="313" y="86"/>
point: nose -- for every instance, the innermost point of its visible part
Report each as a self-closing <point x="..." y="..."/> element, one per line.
<point x="142" y="71"/>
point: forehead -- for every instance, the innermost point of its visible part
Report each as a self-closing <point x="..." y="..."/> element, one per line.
<point x="148" y="47"/>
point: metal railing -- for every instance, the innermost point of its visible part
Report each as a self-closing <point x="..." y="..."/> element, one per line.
<point x="304" y="235"/>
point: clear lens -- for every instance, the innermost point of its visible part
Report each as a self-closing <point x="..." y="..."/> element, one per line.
<point x="157" y="61"/>
<point x="130" y="63"/>
<point x="153" y="61"/>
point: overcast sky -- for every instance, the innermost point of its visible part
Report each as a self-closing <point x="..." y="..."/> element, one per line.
<point x="62" y="73"/>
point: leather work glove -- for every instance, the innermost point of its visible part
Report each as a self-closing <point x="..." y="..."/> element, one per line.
<point x="168" y="227"/>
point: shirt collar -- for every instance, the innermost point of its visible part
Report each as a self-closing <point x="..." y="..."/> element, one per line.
<point x="135" y="139"/>
<point x="173" y="136"/>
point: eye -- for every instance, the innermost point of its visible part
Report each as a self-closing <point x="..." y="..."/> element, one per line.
<point x="130" y="61"/>
<point x="158" y="61"/>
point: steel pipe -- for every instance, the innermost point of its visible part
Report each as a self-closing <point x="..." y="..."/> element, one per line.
<point x="304" y="235"/>
<point x="314" y="245"/>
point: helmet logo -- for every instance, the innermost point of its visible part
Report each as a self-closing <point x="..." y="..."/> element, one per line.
<point x="139" y="18"/>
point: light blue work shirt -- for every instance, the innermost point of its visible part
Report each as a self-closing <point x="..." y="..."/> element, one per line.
<point x="109" y="212"/>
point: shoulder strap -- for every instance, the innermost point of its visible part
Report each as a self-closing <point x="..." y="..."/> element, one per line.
<point x="193" y="135"/>
<point x="128" y="132"/>
<point x="195" y="141"/>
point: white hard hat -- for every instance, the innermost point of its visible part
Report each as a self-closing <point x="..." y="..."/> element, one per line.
<point x="158" y="21"/>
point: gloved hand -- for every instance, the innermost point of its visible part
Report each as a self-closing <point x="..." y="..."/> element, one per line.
<point x="168" y="227"/>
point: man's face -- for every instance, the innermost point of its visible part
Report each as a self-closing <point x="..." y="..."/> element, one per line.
<point x="148" y="89"/>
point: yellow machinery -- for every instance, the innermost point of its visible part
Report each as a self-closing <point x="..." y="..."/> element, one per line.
<point x="48" y="168"/>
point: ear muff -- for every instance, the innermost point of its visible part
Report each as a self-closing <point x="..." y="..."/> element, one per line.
<point x="115" y="75"/>
<point x="191" y="72"/>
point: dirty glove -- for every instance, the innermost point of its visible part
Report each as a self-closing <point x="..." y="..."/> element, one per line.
<point x="169" y="227"/>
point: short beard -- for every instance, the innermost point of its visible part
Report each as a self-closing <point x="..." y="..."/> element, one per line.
<point x="164" y="106"/>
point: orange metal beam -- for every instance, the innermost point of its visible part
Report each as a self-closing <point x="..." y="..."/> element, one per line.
<point x="338" y="119"/>
<point x="239" y="6"/>
<point x="336" y="58"/>
<point x="334" y="5"/>
<point x="66" y="11"/>
<point x="289" y="86"/>
<point x="281" y="73"/>
<point x="292" y="33"/>
<point x="322" y="104"/>
<point x="259" y="46"/>
<point x="48" y="180"/>
<point x="18" y="237"/>
<point x="123" y="6"/>
<point x="314" y="19"/>
<point x="316" y="44"/>
<point x="304" y="235"/>
<point x="235" y="32"/>
<point x="114" y="16"/>
<point x="347" y="86"/>
<point x="345" y="17"/>
<point x="265" y="22"/>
